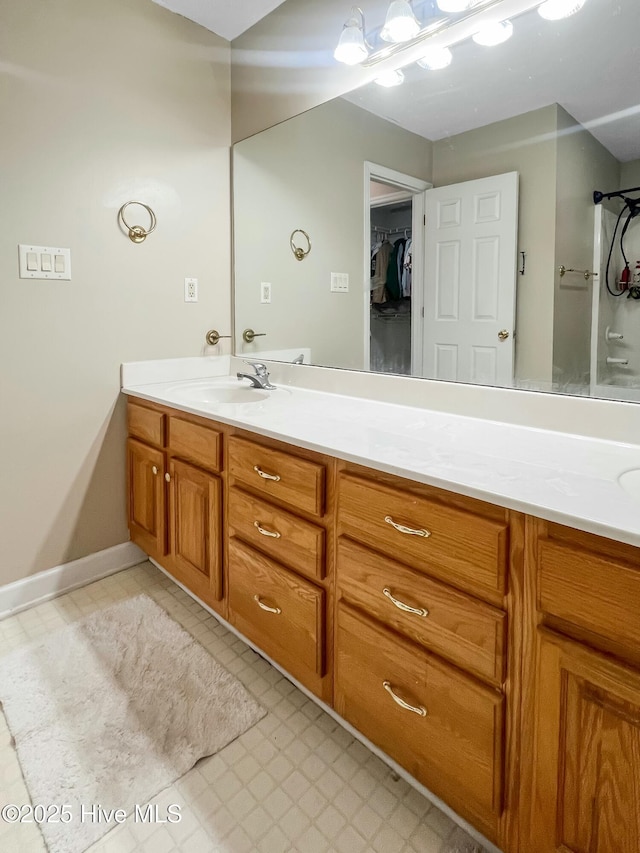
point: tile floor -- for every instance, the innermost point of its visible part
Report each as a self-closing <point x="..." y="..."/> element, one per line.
<point x="297" y="781"/>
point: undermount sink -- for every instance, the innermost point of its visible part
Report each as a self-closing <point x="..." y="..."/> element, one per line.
<point x="219" y="393"/>
<point x="630" y="482"/>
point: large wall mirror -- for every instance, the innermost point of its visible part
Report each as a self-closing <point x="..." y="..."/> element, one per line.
<point x="453" y="229"/>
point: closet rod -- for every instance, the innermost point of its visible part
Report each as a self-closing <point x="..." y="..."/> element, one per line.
<point x="389" y="230"/>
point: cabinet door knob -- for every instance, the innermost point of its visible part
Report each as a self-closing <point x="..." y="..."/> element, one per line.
<point x="154" y="468"/>
<point x="418" y="611"/>
<point x="416" y="709"/>
<point x="167" y="477"/>
<point x="264" y="474"/>
<point x="266" y="607"/>
<point x="264" y="532"/>
<point x="410" y="531"/>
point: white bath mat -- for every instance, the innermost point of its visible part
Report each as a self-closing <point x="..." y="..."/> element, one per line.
<point x="113" y="708"/>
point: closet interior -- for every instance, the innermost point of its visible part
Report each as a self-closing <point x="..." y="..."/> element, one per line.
<point x="391" y="263"/>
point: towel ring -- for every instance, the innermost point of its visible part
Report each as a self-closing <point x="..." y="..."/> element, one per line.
<point x="299" y="253"/>
<point x="137" y="233"/>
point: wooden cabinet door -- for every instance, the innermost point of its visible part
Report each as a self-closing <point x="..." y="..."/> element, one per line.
<point x="146" y="505"/>
<point x="195" y="518"/>
<point x="587" y="762"/>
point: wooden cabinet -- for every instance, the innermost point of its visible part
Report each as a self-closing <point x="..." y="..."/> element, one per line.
<point x="195" y="513"/>
<point x="584" y="778"/>
<point x="444" y="727"/>
<point x="421" y="640"/>
<point x="146" y="498"/>
<point x="495" y="657"/>
<point x="174" y="506"/>
<point x="279" y="556"/>
<point x="587" y="771"/>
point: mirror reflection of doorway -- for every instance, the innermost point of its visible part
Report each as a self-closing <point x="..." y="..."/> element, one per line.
<point x="394" y="252"/>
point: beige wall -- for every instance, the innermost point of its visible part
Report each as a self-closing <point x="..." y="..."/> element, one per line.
<point x="309" y="173"/>
<point x="101" y="102"/>
<point x="284" y="64"/>
<point x="583" y="165"/>
<point x="629" y="175"/>
<point x="525" y="144"/>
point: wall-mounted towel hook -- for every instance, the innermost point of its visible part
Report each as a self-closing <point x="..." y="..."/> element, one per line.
<point x="299" y="253"/>
<point x="136" y="233"/>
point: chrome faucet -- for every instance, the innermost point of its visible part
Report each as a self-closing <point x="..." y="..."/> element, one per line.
<point x="260" y="377"/>
<point x="299" y="359"/>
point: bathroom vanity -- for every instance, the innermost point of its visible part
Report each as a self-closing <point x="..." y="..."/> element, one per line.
<point x="492" y="652"/>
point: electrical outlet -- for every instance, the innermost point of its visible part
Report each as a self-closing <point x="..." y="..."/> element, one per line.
<point x="191" y="290"/>
<point x="265" y="292"/>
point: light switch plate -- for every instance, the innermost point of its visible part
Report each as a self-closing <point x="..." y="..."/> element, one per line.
<point x="339" y="282"/>
<point x="50" y="262"/>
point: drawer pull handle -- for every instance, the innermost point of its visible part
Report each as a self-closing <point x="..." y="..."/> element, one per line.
<point x="408" y="530"/>
<point x="264" y="532"/>
<point x="419" y="710"/>
<point x="264" y="474"/>
<point x="266" y="607"/>
<point x="418" y="611"/>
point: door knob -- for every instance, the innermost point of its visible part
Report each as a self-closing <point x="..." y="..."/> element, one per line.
<point x="503" y="334"/>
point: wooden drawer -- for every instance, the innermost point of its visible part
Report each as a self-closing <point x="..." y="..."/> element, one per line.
<point x="468" y="632"/>
<point x="455" y="748"/>
<point x="195" y="442"/>
<point x="146" y="424"/>
<point x="289" y="479"/>
<point x="285" y="537"/>
<point x="463" y="549"/>
<point x="594" y="592"/>
<point x="294" y="634"/>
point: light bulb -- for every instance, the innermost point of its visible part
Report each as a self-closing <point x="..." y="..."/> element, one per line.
<point x="455" y="6"/>
<point x="492" y="34"/>
<point x="352" y="48"/>
<point x="400" y="24"/>
<point x="554" y="10"/>
<point x="435" y="58"/>
<point x="390" y="78"/>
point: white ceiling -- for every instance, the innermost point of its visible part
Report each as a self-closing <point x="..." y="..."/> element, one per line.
<point x="226" y="18"/>
<point x="588" y="63"/>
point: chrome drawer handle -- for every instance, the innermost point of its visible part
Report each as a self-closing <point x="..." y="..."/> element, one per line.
<point x="266" y="607"/>
<point x="419" y="710"/>
<point x="418" y="611"/>
<point x="264" y="474"/>
<point x="264" y="532"/>
<point x="408" y="530"/>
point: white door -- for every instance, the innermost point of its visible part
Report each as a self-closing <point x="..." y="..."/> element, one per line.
<point x="470" y="280"/>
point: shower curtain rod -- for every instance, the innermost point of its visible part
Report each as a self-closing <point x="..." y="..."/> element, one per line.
<point x="598" y="196"/>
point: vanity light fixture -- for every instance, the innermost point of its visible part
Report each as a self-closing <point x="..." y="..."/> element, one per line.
<point x="400" y="24"/>
<point x="404" y="34"/>
<point x="554" y="10"/>
<point x="494" y="34"/>
<point x="390" y="78"/>
<point x="352" y="47"/>
<point x="435" y="58"/>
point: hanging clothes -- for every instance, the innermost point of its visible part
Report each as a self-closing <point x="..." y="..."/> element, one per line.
<point x="394" y="272"/>
<point x="406" y="269"/>
<point x="379" y="267"/>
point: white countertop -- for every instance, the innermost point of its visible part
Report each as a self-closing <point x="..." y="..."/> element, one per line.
<point x="570" y="479"/>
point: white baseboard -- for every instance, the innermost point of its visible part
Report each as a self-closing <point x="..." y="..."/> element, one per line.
<point x="25" y="593"/>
